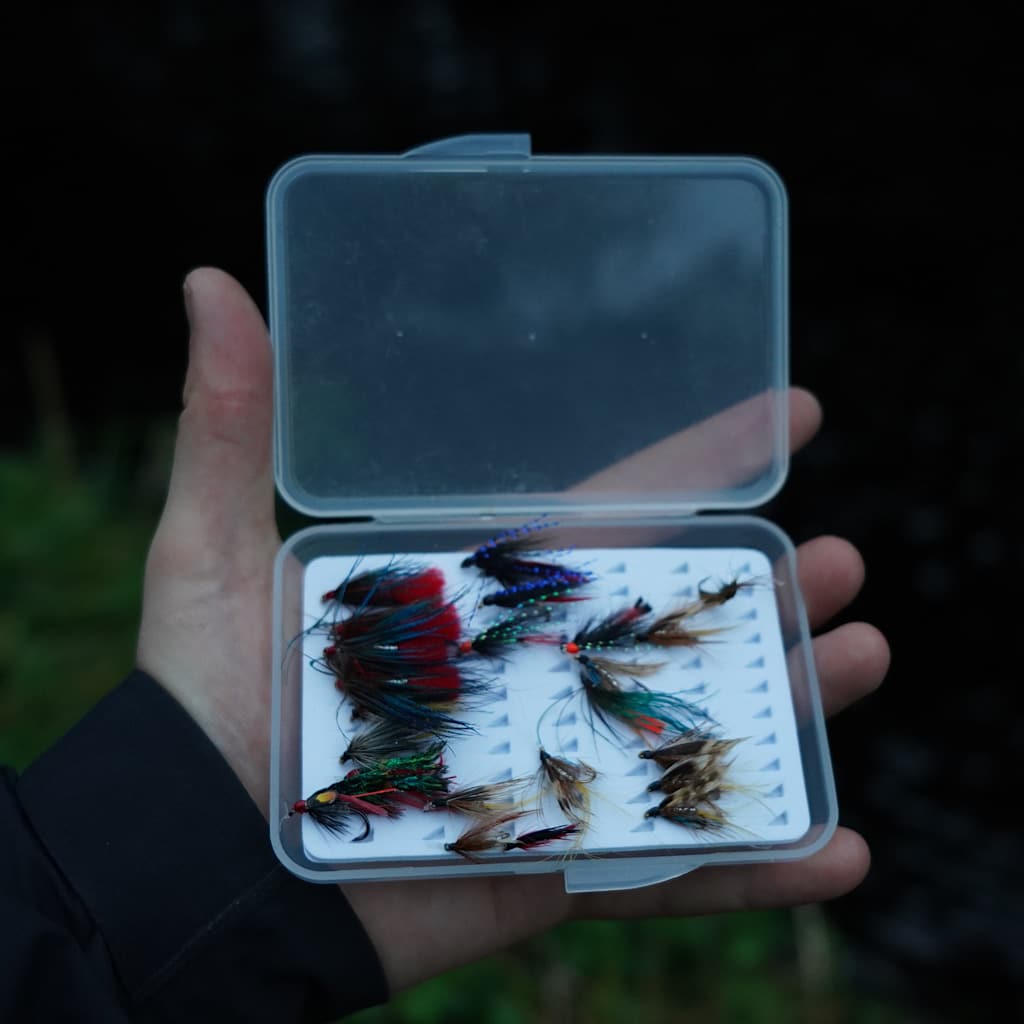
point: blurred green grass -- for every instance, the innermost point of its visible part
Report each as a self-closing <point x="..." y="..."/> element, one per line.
<point x="73" y="542"/>
<point x="72" y="550"/>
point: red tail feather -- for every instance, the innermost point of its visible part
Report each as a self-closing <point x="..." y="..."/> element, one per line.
<point x="427" y="585"/>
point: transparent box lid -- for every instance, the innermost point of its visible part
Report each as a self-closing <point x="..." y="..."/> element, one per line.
<point x="472" y="329"/>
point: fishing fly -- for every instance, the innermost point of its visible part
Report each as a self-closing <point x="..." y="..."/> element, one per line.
<point x="699" y="777"/>
<point x="334" y="811"/>
<point x="399" y="664"/>
<point x="632" y="627"/>
<point x="692" y="743"/>
<point x="617" y="631"/>
<point x="700" y="817"/>
<point x="669" y="630"/>
<point x="640" y="709"/>
<point x="489" y="834"/>
<point x="384" y="790"/>
<point x="383" y="739"/>
<point x="414" y="707"/>
<point x="723" y="593"/>
<point x="569" y="783"/>
<point x="481" y="801"/>
<point x="413" y="641"/>
<point x="505" y="558"/>
<point x="542" y="836"/>
<point x="422" y="775"/>
<point x="499" y="639"/>
<point x="557" y="589"/>
<point x="396" y="583"/>
<point x="492" y="835"/>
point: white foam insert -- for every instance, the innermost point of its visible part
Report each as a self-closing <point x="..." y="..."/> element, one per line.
<point x="739" y="676"/>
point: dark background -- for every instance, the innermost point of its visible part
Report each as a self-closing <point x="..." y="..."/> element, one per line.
<point x="140" y="146"/>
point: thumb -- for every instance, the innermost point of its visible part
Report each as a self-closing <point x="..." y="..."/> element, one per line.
<point x="222" y="482"/>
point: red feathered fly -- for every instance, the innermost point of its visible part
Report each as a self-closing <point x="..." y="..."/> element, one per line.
<point x="504" y="558"/>
<point x="396" y="583"/>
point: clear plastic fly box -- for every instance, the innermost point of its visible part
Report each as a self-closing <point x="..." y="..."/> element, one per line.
<point x="535" y="395"/>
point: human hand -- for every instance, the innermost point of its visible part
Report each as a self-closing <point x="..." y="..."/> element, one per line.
<point x="206" y="627"/>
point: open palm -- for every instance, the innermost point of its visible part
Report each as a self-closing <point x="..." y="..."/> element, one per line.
<point x="206" y="628"/>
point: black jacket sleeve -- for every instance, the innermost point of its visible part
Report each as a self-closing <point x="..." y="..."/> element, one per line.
<point x="137" y="882"/>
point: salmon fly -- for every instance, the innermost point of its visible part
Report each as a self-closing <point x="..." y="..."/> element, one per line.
<point x="383" y="790"/>
<point x="484" y="800"/>
<point x="640" y="709"/>
<point x="385" y="739"/>
<point x="491" y="834"/>
<point x="556" y="589"/>
<point x="334" y="811"/>
<point x="398" y="642"/>
<point x="633" y="627"/>
<point x="726" y="592"/>
<point x="421" y="775"/>
<point x="504" y="558"/>
<point x="409" y="705"/>
<point x="541" y="837"/>
<point x="399" y="663"/>
<point x="568" y="782"/>
<point x="669" y="631"/>
<point x="692" y="743"/>
<point x="617" y="631"/>
<point x="503" y="636"/>
<point x="700" y="817"/>
<point x="700" y="778"/>
<point x="396" y="583"/>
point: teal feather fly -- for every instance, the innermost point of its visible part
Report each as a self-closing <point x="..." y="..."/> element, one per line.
<point x="641" y="709"/>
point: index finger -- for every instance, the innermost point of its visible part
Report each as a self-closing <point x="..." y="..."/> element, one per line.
<point x="722" y="450"/>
